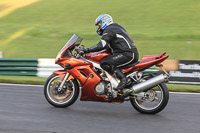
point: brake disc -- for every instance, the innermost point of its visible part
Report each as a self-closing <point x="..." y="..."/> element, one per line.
<point x="149" y="96"/>
<point x="64" y="93"/>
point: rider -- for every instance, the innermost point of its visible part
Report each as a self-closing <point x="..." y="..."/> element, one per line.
<point x="122" y="48"/>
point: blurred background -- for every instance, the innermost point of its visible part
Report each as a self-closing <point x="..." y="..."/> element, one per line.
<point x="40" y="28"/>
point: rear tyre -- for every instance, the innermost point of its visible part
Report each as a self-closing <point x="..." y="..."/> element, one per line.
<point x="155" y="101"/>
<point x="64" y="98"/>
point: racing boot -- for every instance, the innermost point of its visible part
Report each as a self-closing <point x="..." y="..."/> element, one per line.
<point x="123" y="80"/>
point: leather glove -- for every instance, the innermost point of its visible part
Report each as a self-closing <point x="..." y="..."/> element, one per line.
<point x="83" y="50"/>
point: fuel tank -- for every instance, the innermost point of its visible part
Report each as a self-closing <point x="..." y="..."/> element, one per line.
<point x="97" y="56"/>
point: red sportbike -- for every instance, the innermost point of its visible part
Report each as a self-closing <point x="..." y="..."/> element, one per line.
<point x="147" y="92"/>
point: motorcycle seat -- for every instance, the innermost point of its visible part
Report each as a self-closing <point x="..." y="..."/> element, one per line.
<point x="130" y="65"/>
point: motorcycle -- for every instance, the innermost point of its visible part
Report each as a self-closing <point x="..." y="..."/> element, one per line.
<point x="147" y="92"/>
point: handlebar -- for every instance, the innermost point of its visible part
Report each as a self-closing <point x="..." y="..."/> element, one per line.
<point x="79" y="51"/>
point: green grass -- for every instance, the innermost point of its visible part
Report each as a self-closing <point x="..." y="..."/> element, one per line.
<point x="184" y="88"/>
<point x="41" y="29"/>
<point x="22" y="79"/>
<point x="155" y="26"/>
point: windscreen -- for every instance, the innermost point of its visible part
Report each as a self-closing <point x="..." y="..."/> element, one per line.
<point x="69" y="46"/>
<point x="74" y="39"/>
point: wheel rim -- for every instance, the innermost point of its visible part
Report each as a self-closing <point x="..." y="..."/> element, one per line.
<point x="152" y="101"/>
<point x="65" y="95"/>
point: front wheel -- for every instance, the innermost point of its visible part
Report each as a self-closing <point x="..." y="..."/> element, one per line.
<point x="63" y="98"/>
<point x="152" y="101"/>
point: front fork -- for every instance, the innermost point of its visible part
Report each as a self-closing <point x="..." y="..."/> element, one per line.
<point x="63" y="81"/>
<point x="64" y="76"/>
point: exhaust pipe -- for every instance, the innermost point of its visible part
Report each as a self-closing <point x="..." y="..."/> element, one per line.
<point x="143" y="86"/>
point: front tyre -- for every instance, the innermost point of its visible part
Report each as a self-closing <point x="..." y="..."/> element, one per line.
<point x="154" y="101"/>
<point x="64" y="98"/>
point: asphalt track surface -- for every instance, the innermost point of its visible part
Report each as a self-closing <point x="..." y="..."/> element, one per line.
<point x="23" y="109"/>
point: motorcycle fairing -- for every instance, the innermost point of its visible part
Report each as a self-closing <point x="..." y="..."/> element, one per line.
<point x="73" y="62"/>
<point x="88" y="79"/>
<point x="62" y="74"/>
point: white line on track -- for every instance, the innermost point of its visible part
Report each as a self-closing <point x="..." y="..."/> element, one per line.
<point x="182" y="93"/>
<point x="185" y="93"/>
<point x="21" y="85"/>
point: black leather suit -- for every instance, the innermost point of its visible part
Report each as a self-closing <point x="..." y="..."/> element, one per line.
<point x="122" y="48"/>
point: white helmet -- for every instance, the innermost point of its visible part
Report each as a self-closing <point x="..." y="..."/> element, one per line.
<point x="101" y="22"/>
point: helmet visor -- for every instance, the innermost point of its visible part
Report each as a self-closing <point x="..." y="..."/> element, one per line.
<point x="98" y="25"/>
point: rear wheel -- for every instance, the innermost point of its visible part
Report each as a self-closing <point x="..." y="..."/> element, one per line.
<point x="63" y="98"/>
<point x="152" y="101"/>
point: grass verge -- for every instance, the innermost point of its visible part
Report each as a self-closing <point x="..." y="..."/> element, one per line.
<point x="22" y="80"/>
